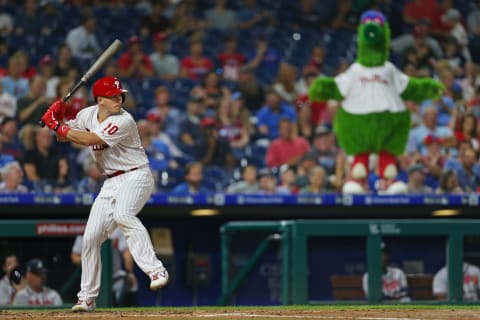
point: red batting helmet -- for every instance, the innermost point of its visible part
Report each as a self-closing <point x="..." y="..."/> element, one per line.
<point x="107" y="87"/>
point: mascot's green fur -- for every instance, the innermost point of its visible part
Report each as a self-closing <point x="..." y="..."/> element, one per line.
<point x="373" y="117"/>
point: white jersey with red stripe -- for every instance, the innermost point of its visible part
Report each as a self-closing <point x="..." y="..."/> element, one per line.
<point x="122" y="149"/>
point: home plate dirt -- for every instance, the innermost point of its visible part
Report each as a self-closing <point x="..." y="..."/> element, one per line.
<point x="348" y="313"/>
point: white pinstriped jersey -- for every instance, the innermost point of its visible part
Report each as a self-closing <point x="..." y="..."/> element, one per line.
<point x="123" y="149"/>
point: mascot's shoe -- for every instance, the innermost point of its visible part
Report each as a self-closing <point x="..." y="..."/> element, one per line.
<point x="392" y="186"/>
<point x="84" y="306"/>
<point x="355" y="186"/>
<point x="158" y="279"/>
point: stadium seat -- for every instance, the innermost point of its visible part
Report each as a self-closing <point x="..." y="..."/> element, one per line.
<point x="347" y="287"/>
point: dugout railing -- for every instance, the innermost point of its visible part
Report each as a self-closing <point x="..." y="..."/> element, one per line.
<point x="62" y="228"/>
<point x="294" y="235"/>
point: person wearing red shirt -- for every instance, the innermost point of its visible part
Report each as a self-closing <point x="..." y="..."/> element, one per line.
<point x="416" y="10"/>
<point x="231" y="60"/>
<point x="195" y="66"/>
<point x="134" y="63"/>
<point x="287" y="149"/>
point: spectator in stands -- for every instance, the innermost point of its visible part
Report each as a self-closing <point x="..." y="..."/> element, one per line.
<point x="452" y="19"/>
<point x="467" y="128"/>
<point x="190" y="124"/>
<point x="165" y="65"/>
<point x="156" y="21"/>
<point x="134" y="63"/>
<point x="305" y="165"/>
<point x="313" y="15"/>
<point x="64" y="60"/>
<point x="287" y="180"/>
<point x="346" y="17"/>
<point x="124" y="282"/>
<point x="62" y="182"/>
<point x="36" y="293"/>
<point x="416" y="180"/>
<point x="28" y="71"/>
<point x="469" y="171"/>
<point x="419" y="53"/>
<point x="230" y="59"/>
<point x="12" y="176"/>
<point x="264" y="59"/>
<point x="6" y="24"/>
<point x="11" y="144"/>
<point x="251" y="16"/>
<point x="394" y="280"/>
<point x="429" y="127"/>
<point x="82" y="40"/>
<point x="434" y="159"/>
<point x="77" y="101"/>
<point x="184" y="21"/>
<point x="196" y="65"/>
<point x="7" y="290"/>
<point x="14" y="83"/>
<point x="473" y="24"/>
<point x="41" y="162"/>
<point x="169" y="115"/>
<point x="285" y="83"/>
<point x="269" y="116"/>
<point x="193" y="180"/>
<point x="220" y="17"/>
<point x="317" y="181"/>
<point x="46" y="68"/>
<point x="212" y="92"/>
<point x="8" y="104"/>
<point x="248" y="184"/>
<point x="31" y="22"/>
<point x="250" y="88"/>
<point x="234" y="124"/>
<point x="449" y="183"/>
<point x="32" y="106"/>
<point x="329" y="156"/>
<point x="267" y="182"/>
<point x="415" y="10"/>
<point x="5" y="53"/>
<point x="213" y="150"/>
<point x="470" y="81"/>
<point x="93" y="178"/>
<point x="288" y="148"/>
<point x="161" y="141"/>
<point x="453" y="56"/>
<point x="4" y="158"/>
<point x="471" y="283"/>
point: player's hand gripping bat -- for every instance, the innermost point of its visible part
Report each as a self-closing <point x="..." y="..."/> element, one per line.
<point x="98" y="64"/>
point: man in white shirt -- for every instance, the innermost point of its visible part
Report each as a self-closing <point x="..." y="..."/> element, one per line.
<point x="471" y="285"/>
<point x="83" y="41"/>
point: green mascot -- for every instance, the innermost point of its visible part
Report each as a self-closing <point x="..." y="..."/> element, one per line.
<point x="373" y="117"/>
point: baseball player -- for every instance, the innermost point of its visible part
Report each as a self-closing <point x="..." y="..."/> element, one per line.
<point x="112" y="136"/>
<point x="125" y="284"/>
<point x="35" y="292"/>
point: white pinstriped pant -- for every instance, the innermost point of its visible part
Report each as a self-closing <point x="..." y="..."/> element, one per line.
<point x="118" y="203"/>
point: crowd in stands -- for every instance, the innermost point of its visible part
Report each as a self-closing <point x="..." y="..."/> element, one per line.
<point x="219" y="91"/>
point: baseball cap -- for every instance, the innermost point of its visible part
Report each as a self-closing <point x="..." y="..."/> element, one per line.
<point x="153" y="116"/>
<point x="133" y="40"/>
<point x="430" y="139"/>
<point x="160" y="37"/>
<point x="451" y="14"/>
<point x="416" y="167"/>
<point x="322" y="130"/>
<point x="208" y="122"/>
<point x="36" y="266"/>
<point x="46" y="59"/>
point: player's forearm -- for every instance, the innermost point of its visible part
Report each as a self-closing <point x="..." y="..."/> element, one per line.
<point x="83" y="138"/>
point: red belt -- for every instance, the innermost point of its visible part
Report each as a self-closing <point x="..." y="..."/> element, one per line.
<point x="119" y="172"/>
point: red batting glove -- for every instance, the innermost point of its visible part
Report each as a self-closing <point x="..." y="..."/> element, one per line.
<point x="51" y="122"/>
<point x="58" y="107"/>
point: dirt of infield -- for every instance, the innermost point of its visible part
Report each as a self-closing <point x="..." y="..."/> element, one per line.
<point x="454" y="313"/>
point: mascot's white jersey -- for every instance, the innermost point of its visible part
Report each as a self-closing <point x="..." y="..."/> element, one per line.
<point x="372" y="89"/>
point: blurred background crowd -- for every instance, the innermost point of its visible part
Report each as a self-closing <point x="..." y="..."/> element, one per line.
<point x="219" y="91"/>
